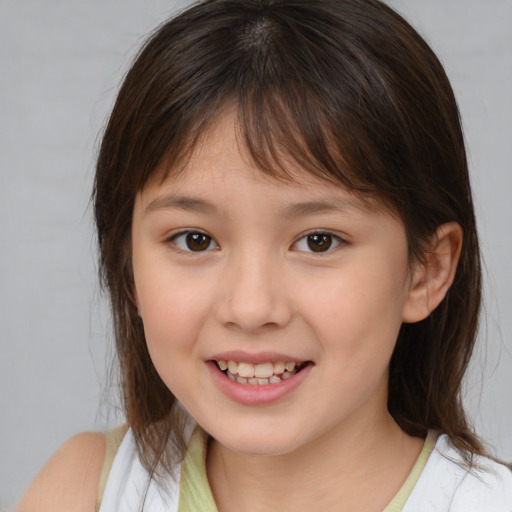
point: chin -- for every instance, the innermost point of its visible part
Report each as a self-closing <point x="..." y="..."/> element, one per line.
<point x="262" y="448"/>
<point x="264" y="441"/>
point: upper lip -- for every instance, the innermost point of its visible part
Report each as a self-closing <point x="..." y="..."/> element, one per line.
<point x="256" y="358"/>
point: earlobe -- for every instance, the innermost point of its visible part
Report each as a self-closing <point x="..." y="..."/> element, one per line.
<point x="432" y="277"/>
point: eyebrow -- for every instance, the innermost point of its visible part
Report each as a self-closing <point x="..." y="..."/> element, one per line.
<point x="328" y="206"/>
<point x="198" y="205"/>
<point x="185" y="203"/>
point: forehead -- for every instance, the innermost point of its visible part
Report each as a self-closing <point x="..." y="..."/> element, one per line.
<point x="221" y="166"/>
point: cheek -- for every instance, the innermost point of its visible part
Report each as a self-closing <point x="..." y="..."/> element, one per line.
<point x="356" y="313"/>
<point x="173" y="308"/>
<point x="172" y="320"/>
<point x="169" y="313"/>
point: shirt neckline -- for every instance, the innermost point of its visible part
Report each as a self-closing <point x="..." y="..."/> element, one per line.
<point x="196" y="494"/>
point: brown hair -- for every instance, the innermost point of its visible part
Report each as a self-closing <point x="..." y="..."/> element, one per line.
<point x="349" y="91"/>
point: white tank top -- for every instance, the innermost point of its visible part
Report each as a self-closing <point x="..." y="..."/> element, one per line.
<point x="445" y="485"/>
<point x="129" y="484"/>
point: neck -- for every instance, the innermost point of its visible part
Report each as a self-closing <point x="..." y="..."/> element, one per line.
<point x="346" y="469"/>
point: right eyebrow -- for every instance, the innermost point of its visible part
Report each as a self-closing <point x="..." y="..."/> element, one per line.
<point x="185" y="203"/>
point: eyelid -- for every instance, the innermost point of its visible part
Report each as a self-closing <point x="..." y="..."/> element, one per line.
<point x="337" y="239"/>
<point x="335" y="236"/>
<point x="171" y="239"/>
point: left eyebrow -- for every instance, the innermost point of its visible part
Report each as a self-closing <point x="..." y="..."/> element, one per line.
<point x="328" y="206"/>
<point x="185" y="203"/>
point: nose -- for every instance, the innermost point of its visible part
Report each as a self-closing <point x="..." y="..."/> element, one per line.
<point x="253" y="294"/>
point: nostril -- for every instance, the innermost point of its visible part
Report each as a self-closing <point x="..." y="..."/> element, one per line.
<point x="253" y="301"/>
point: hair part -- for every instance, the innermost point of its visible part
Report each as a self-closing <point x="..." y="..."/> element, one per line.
<point x="345" y="89"/>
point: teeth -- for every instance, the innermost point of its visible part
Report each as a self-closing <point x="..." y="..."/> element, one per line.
<point x="247" y="370"/>
<point x="233" y="367"/>
<point x="258" y="374"/>
<point x="264" y="370"/>
<point x="279" y="368"/>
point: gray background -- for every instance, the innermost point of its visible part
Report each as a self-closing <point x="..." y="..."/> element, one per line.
<point x="60" y="65"/>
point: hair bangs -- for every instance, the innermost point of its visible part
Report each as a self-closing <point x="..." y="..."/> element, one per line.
<point x="288" y="117"/>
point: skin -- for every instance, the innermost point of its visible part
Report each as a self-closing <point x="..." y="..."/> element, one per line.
<point x="69" y="480"/>
<point x="256" y="286"/>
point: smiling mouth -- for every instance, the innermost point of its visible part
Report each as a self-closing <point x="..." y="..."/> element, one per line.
<point x="259" y="374"/>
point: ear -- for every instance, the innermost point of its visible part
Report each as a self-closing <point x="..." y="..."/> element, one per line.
<point x="432" y="277"/>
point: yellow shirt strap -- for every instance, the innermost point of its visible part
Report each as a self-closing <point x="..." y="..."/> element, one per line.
<point x="403" y="494"/>
<point x="195" y="492"/>
<point x="113" y="438"/>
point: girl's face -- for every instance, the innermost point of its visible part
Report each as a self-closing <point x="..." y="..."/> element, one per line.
<point x="299" y="289"/>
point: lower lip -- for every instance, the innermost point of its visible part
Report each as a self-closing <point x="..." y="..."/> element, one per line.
<point x="248" y="394"/>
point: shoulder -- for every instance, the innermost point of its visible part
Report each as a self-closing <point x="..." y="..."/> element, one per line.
<point x="486" y="485"/>
<point x="448" y="482"/>
<point x="69" y="480"/>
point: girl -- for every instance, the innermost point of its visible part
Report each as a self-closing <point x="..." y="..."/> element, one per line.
<point x="287" y="235"/>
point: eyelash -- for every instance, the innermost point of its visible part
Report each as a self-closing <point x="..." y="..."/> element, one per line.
<point x="333" y="239"/>
<point x="328" y="238"/>
<point x="185" y="234"/>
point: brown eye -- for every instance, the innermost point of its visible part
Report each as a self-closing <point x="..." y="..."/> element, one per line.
<point x="198" y="241"/>
<point x="194" y="241"/>
<point x="319" y="242"/>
